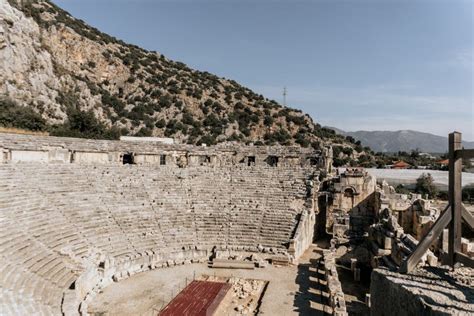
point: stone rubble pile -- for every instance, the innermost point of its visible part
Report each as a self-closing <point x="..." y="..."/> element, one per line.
<point x="245" y="295"/>
<point x="391" y="244"/>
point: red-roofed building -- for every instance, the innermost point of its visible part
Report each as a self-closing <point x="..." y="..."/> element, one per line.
<point x="444" y="162"/>
<point x="401" y="165"/>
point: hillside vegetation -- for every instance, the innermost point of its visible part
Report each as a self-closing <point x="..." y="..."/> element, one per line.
<point x="70" y="79"/>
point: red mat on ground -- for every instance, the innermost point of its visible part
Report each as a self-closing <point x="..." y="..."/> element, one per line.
<point x="197" y="299"/>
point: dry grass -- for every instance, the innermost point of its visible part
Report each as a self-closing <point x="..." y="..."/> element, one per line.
<point x="13" y="130"/>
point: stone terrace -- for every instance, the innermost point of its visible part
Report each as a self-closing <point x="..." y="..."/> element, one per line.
<point x="68" y="229"/>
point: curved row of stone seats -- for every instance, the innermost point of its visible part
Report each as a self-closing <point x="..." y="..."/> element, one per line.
<point x="53" y="218"/>
<point x="32" y="277"/>
<point x="122" y="210"/>
<point x="14" y="304"/>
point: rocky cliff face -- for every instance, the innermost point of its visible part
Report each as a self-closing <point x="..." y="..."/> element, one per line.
<point x="27" y="68"/>
<point x="57" y="65"/>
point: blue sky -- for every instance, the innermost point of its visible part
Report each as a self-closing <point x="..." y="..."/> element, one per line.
<point x="355" y="65"/>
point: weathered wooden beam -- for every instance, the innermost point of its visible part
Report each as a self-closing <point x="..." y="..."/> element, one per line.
<point x="464" y="259"/>
<point x="465" y="153"/>
<point x="467" y="217"/>
<point x="435" y="231"/>
<point x="455" y="198"/>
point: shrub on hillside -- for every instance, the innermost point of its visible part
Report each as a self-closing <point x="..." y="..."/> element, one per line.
<point x="113" y="101"/>
<point x="268" y="120"/>
<point x="160" y="123"/>
<point x="84" y="124"/>
<point x="13" y="115"/>
<point x="281" y="136"/>
<point x="206" y="139"/>
<point x="144" y="132"/>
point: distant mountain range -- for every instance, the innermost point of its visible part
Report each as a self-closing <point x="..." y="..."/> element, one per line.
<point x="404" y="140"/>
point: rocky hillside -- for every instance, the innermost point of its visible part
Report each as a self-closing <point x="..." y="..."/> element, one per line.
<point x="61" y="75"/>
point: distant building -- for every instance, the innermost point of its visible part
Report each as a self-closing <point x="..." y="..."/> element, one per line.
<point x="427" y="155"/>
<point x="401" y="165"/>
<point x="444" y="162"/>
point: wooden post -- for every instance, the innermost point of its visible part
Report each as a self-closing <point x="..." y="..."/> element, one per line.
<point x="455" y="198"/>
<point x="454" y="213"/>
<point x="435" y="231"/>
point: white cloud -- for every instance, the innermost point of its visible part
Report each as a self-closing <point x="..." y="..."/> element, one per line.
<point x="458" y="59"/>
<point x="464" y="58"/>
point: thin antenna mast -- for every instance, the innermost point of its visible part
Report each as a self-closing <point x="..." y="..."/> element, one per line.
<point x="284" y="96"/>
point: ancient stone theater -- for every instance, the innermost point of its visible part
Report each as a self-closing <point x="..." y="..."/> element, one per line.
<point x="149" y="227"/>
<point x="78" y="215"/>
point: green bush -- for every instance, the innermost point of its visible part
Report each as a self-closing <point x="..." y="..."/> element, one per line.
<point x="165" y="101"/>
<point x="143" y="132"/>
<point x="188" y="118"/>
<point x="160" y="123"/>
<point x="425" y="185"/>
<point x="468" y="193"/>
<point x="13" y="115"/>
<point x="206" y="139"/>
<point x="84" y="125"/>
<point x="268" y="120"/>
<point x="301" y="140"/>
<point x="402" y="189"/>
<point x="211" y="121"/>
<point x="338" y="162"/>
<point x="281" y="136"/>
<point x="347" y="151"/>
<point x="336" y="151"/>
<point x="114" y="102"/>
<point x="195" y="132"/>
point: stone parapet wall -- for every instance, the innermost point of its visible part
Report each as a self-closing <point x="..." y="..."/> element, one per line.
<point x="304" y="234"/>
<point x="99" y="274"/>
<point x="433" y="291"/>
<point x="16" y="148"/>
<point x="334" y="287"/>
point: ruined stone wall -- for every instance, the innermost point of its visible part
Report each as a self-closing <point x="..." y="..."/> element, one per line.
<point x="418" y="218"/>
<point x="303" y="236"/>
<point x="402" y="221"/>
<point x="46" y="149"/>
<point x="390" y="245"/>
<point x="414" y="214"/>
<point x="334" y="287"/>
<point x="29" y="155"/>
<point x="352" y="203"/>
<point x="423" y="292"/>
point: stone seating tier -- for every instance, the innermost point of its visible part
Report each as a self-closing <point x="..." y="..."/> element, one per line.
<point x="57" y="220"/>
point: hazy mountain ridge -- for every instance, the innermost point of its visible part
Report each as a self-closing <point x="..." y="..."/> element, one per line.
<point x="60" y="67"/>
<point x="403" y="140"/>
